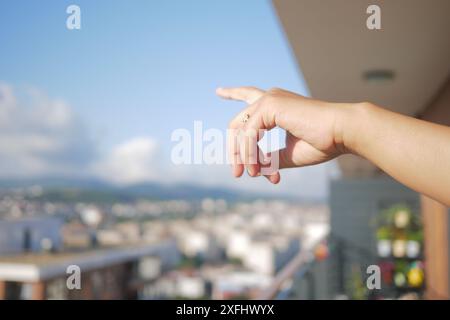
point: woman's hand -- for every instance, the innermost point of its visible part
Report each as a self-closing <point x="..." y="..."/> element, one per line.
<point x="313" y="129"/>
<point x="413" y="151"/>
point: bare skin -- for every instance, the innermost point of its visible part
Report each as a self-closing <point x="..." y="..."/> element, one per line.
<point x="413" y="151"/>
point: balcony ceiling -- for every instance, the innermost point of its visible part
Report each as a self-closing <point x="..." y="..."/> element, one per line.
<point x="334" y="49"/>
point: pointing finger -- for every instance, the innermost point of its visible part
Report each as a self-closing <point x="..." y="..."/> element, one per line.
<point x="246" y="94"/>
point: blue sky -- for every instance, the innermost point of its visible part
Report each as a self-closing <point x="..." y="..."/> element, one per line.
<point x="144" y="68"/>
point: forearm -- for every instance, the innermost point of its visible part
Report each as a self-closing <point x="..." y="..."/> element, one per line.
<point x="415" y="152"/>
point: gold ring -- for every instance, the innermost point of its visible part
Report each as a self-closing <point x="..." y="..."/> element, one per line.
<point x="245" y="118"/>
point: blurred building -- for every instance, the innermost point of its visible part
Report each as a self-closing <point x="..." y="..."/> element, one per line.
<point x="268" y="254"/>
<point x="30" y="235"/>
<point x="239" y="284"/>
<point x="105" y="273"/>
<point x="199" y="244"/>
<point x="177" y="284"/>
<point x="191" y="287"/>
<point x="355" y="205"/>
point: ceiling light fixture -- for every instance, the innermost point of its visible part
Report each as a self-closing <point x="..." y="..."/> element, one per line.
<point x="379" y="75"/>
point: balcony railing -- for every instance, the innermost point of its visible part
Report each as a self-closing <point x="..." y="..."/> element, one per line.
<point x="302" y="264"/>
<point x="297" y="267"/>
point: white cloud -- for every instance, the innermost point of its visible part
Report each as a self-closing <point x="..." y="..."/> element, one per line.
<point x="131" y="162"/>
<point x="40" y="136"/>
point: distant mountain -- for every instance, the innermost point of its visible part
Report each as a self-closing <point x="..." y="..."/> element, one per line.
<point x="88" y="189"/>
<point x="93" y="189"/>
<point x="184" y="191"/>
<point x="54" y="182"/>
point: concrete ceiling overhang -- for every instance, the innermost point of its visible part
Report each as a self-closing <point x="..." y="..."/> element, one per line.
<point x="334" y="49"/>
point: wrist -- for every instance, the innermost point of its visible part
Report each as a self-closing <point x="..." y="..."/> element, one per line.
<point x="351" y="124"/>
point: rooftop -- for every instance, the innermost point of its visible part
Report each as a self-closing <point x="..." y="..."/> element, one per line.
<point x="40" y="266"/>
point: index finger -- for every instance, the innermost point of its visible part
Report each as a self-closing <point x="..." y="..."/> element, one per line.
<point x="246" y="94"/>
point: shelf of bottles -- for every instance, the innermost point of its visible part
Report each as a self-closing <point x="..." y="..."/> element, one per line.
<point x="400" y="252"/>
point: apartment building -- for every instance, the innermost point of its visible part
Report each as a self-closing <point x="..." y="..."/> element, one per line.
<point x="404" y="66"/>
